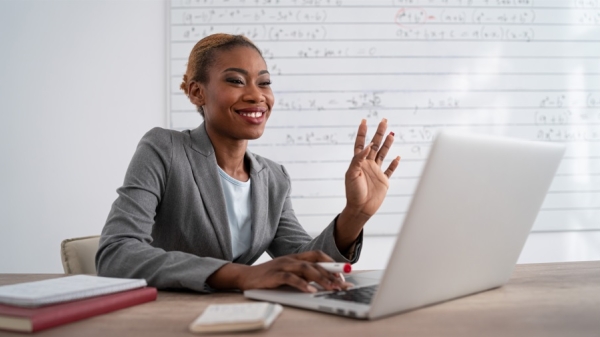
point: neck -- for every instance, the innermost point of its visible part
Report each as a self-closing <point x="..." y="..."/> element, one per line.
<point x="230" y="155"/>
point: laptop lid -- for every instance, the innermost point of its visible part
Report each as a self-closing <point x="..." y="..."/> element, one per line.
<point x="468" y="221"/>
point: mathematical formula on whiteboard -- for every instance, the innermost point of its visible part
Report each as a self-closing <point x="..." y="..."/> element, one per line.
<point x="519" y="68"/>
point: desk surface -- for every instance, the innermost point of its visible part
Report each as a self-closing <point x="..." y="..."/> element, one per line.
<point x="554" y="299"/>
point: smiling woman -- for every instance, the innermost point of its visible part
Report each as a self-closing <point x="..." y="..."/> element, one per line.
<point x="197" y="208"/>
<point x="230" y="85"/>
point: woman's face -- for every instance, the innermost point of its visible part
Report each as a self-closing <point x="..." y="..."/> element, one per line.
<point x="237" y="99"/>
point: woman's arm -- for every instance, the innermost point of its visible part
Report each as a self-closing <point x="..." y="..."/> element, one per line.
<point x="366" y="183"/>
<point x="292" y="238"/>
<point x="125" y="246"/>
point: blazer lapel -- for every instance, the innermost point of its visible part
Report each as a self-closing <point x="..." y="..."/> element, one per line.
<point x="204" y="168"/>
<point x="260" y="206"/>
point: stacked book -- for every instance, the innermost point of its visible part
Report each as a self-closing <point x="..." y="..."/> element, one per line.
<point x="34" y="306"/>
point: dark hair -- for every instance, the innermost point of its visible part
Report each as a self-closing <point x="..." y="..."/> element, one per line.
<point x="203" y="56"/>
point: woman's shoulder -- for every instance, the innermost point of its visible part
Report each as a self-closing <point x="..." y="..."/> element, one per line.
<point x="165" y="137"/>
<point x="159" y="134"/>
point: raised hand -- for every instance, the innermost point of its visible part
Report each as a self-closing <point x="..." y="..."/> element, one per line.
<point x="366" y="183"/>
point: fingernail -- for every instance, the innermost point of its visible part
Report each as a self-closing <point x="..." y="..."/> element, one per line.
<point x="348" y="285"/>
<point x="393" y="134"/>
<point x="385" y="120"/>
<point x="311" y="289"/>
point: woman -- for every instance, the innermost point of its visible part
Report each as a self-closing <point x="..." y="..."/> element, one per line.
<point x="197" y="208"/>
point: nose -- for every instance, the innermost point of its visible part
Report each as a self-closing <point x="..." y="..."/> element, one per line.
<point x="253" y="94"/>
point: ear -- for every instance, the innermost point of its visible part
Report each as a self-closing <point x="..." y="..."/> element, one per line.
<point x="197" y="93"/>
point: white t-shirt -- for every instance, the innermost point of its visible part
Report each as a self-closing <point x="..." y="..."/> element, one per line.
<point x="239" y="212"/>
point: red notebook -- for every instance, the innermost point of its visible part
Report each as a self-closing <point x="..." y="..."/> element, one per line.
<point x="36" y="319"/>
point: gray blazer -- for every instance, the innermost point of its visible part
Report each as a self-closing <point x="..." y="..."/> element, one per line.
<point x="169" y="223"/>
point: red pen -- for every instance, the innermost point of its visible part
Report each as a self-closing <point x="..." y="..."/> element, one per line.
<point x="335" y="267"/>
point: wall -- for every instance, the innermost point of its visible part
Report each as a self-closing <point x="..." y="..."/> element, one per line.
<point x="80" y="83"/>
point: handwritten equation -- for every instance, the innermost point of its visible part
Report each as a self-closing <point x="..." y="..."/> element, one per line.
<point x="430" y="22"/>
<point x="369" y="100"/>
<point x="472" y="33"/>
<point x="261" y="32"/>
<point x="518" y="68"/>
<point x="419" y="16"/>
<point x="251" y="16"/>
<point x="568" y="134"/>
<point x="551" y="127"/>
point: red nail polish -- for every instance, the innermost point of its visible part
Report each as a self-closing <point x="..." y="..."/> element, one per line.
<point x="391" y="133"/>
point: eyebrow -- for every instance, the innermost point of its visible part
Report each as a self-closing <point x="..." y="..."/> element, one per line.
<point x="242" y="71"/>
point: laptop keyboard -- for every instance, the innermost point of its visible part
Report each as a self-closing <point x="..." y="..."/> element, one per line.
<point x="361" y="295"/>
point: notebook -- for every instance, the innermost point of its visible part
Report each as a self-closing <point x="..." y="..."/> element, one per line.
<point x="64" y="289"/>
<point x="470" y="215"/>
<point x="236" y="317"/>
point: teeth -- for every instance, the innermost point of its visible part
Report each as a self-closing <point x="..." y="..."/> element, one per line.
<point x="251" y="114"/>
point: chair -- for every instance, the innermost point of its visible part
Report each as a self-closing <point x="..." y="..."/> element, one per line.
<point x="78" y="255"/>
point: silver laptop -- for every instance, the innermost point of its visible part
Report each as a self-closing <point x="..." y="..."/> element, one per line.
<point x="468" y="221"/>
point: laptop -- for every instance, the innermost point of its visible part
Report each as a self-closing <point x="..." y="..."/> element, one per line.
<point x="471" y="213"/>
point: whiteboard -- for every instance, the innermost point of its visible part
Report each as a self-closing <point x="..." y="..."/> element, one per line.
<point x="528" y="69"/>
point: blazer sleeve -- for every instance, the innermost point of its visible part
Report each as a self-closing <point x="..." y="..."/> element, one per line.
<point x="291" y="237"/>
<point x="125" y="248"/>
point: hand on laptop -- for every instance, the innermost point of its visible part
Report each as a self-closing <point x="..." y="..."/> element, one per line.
<point x="366" y="183"/>
<point x="296" y="270"/>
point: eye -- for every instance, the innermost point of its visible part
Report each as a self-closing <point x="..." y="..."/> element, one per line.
<point x="235" y="81"/>
<point x="265" y="83"/>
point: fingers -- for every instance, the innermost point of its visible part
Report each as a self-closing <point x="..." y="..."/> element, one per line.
<point x="377" y="138"/>
<point x="303" y="266"/>
<point x="393" y="165"/>
<point x="361" y="136"/>
<point x="311" y="272"/>
<point x="384" y="148"/>
<point x="355" y="163"/>
<point x="377" y="151"/>
<point x="288" y="278"/>
<point x="297" y="270"/>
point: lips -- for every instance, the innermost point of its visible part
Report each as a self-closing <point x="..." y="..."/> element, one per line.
<point x="255" y="112"/>
<point x="251" y="114"/>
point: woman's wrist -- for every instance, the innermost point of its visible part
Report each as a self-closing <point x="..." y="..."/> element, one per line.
<point x="348" y="226"/>
<point x="229" y="276"/>
<point x="353" y="218"/>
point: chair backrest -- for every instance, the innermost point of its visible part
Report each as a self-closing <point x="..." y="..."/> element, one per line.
<point x="78" y="255"/>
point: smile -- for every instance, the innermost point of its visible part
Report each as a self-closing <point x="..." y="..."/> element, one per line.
<point x="251" y="114"/>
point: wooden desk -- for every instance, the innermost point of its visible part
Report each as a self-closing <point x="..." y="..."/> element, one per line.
<point x="555" y="299"/>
